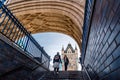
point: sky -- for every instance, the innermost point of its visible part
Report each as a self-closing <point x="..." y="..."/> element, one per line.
<point x="52" y="42"/>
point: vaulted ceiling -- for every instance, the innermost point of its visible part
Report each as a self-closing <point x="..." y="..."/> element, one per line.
<point x="63" y="16"/>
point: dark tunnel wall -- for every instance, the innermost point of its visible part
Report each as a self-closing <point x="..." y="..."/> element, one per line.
<point x="102" y="57"/>
<point x="15" y="64"/>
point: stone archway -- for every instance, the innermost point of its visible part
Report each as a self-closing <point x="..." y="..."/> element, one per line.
<point x="64" y="16"/>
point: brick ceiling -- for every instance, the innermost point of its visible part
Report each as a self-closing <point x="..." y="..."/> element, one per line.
<point x="63" y="16"/>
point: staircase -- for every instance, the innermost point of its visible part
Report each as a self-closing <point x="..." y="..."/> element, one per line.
<point x="63" y="75"/>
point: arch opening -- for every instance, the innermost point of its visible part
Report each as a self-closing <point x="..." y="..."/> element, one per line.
<point x="53" y="42"/>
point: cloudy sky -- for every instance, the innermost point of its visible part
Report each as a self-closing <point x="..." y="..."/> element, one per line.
<point x="53" y="42"/>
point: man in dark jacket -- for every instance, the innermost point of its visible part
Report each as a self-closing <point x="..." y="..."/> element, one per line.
<point x="56" y="62"/>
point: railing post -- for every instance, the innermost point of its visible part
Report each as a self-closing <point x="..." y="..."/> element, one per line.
<point x="26" y="44"/>
<point x="0" y="4"/>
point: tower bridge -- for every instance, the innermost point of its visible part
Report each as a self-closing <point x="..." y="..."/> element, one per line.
<point x="94" y="24"/>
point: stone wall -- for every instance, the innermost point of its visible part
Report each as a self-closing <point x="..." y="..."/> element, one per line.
<point x="15" y="64"/>
<point x="102" y="58"/>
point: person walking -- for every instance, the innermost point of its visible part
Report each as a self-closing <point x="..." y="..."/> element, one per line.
<point x="66" y="62"/>
<point x="56" y="62"/>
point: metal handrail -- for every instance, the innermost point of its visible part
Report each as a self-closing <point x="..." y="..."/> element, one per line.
<point x="14" y="31"/>
<point x="41" y="65"/>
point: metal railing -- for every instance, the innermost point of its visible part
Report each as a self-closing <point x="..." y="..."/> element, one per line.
<point x="3" y="1"/>
<point x="14" y="31"/>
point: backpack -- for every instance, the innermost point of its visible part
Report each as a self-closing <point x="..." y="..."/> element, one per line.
<point x="56" y="57"/>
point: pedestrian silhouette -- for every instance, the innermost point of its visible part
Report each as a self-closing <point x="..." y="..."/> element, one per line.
<point x="56" y="62"/>
<point x="66" y="62"/>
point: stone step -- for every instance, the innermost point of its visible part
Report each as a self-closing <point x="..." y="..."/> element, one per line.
<point x="64" y="75"/>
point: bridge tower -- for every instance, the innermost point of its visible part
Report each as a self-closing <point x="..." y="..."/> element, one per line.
<point x="72" y="55"/>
